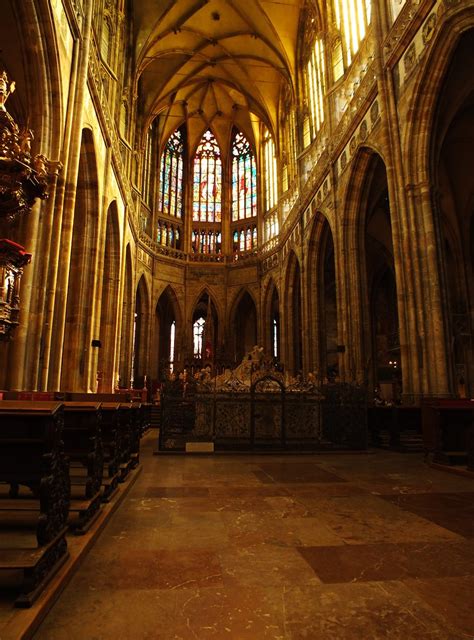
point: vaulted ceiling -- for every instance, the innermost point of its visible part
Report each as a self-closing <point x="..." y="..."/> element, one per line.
<point x="214" y="63"/>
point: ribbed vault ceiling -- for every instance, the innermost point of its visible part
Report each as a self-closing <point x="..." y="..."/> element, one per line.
<point x="214" y="62"/>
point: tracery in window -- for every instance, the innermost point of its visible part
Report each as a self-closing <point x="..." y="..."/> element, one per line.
<point x="206" y="241"/>
<point x="244" y="179"/>
<point x="270" y="164"/>
<point x="207" y="187"/>
<point x="168" y="235"/>
<point x="171" y="176"/>
<point x="352" y="19"/>
<point x="244" y="239"/>
<point x="272" y="227"/>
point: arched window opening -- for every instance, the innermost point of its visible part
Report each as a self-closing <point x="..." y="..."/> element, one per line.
<point x="352" y="19"/>
<point x="207" y="206"/>
<point x="148" y="161"/>
<point x="198" y="334"/>
<point x="316" y="81"/>
<point x="172" y="343"/>
<point x="244" y="179"/>
<point x="337" y="61"/>
<point x="171" y="176"/>
<point x="275" y="338"/>
<point x="106" y="38"/>
<point x="270" y="163"/>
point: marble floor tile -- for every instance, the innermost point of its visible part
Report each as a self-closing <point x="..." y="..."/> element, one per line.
<point x="265" y="565"/>
<point x="376" y="562"/>
<point x="362" y="519"/>
<point x="375" y="611"/>
<point x="453" y="511"/>
<point x="450" y="597"/>
<point x="281" y="547"/>
<point x="297" y="473"/>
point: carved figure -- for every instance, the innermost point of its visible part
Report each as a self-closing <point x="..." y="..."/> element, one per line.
<point x="5" y="90"/>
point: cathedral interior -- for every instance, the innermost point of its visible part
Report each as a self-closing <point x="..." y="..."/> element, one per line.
<point x="248" y="226"/>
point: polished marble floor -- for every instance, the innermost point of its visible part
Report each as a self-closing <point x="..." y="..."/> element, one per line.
<point x="330" y="547"/>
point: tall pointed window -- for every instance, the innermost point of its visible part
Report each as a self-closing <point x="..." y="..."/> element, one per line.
<point x="352" y="19"/>
<point x="316" y="79"/>
<point x="244" y="179"/>
<point x="198" y="334"/>
<point x="172" y="343"/>
<point x="171" y="176"/>
<point x="148" y="159"/>
<point x="271" y="188"/>
<point x="207" y="180"/>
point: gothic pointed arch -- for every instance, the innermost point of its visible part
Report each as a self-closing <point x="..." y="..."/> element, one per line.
<point x="109" y="314"/>
<point x="294" y="319"/>
<point x="127" y="324"/>
<point x="243" y="324"/>
<point x="271" y="328"/>
<point x="371" y="285"/>
<point x="322" y="299"/>
<point x="141" y="333"/>
<point x="453" y="210"/>
<point x="77" y="355"/>
<point x="205" y="329"/>
<point x="168" y="330"/>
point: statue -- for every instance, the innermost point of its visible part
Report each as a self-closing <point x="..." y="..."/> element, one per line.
<point x="5" y="90"/>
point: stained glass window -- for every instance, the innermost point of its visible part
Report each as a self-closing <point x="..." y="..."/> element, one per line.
<point x="244" y="179"/>
<point x="207" y="180"/>
<point x="171" y="183"/>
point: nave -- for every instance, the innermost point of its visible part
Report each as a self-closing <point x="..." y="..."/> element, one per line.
<point x="331" y="547"/>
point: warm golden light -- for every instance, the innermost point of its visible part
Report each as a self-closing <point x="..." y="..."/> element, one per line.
<point x="352" y="19"/>
<point x="271" y="188"/>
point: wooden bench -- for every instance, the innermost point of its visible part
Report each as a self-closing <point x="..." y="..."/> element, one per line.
<point x="83" y="445"/>
<point x="34" y="503"/>
<point x="111" y="442"/>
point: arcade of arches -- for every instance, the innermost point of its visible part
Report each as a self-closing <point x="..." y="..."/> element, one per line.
<point x="270" y="172"/>
<point x="223" y="174"/>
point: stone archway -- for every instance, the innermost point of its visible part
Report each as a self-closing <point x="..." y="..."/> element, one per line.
<point x="141" y="334"/>
<point x="322" y="300"/>
<point x="168" y="328"/>
<point x="108" y="357"/>
<point x="127" y="324"/>
<point x="244" y="325"/>
<point x="452" y="158"/>
<point x="294" y="326"/>
<point x="77" y="354"/>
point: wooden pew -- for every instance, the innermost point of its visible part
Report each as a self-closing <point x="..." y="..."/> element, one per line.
<point x="112" y="448"/>
<point x="32" y="457"/>
<point x="127" y="427"/>
<point x="83" y="445"/>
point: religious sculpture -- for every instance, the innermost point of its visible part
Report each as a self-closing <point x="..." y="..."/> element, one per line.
<point x="22" y="178"/>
